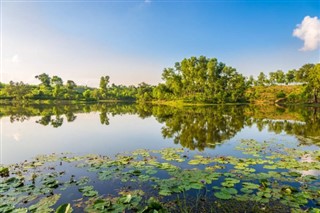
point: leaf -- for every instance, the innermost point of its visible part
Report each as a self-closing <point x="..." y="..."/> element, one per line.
<point x="223" y="195"/>
<point x="229" y="190"/>
<point x="64" y="208"/>
<point x="128" y="199"/>
<point x="4" y="171"/>
<point x="250" y="185"/>
<point x="164" y="192"/>
<point x="45" y="203"/>
<point x="20" y="210"/>
<point x="270" y="167"/>
<point x="88" y="191"/>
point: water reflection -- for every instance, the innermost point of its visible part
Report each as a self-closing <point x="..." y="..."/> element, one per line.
<point x="191" y="127"/>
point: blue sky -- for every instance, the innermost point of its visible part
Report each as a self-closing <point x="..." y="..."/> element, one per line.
<point x="132" y="41"/>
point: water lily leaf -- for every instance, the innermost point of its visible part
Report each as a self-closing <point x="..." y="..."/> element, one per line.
<point x="246" y="190"/>
<point x="165" y="192"/>
<point x="295" y="174"/>
<point x="20" y="210"/>
<point x="44" y="204"/>
<point x="270" y="166"/>
<point x="64" y="208"/>
<point x="250" y="185"/>
<point x="128" y="198"/>
<point x="15" y="182"/>
<point x="232" y="191"/>
<point x="88" y="191"/>
<point x="223" y="195"/>
<point x="4" y="171"/>
<point x="4" y="187"/>
<point x="6" y="208"/>
<point x="102" y="204"/>
<point x="196" y="185"/>
<point x="194" y="162"/>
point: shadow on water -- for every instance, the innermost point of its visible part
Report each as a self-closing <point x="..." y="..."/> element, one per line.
<point x="193" y="127"/>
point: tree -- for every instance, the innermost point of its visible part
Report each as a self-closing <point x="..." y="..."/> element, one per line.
<point x="71" y="85"/>
<point x="57" y="83"/>
<point x="104" y="81"/>
<point x="144" y="92"/>
<point x="290" y="76"/>
<point x="17" y="90"/>
<point x="201" y="79"/>
<point x="280" y="77"/>
<point x="44" y="78"/>
<point x="87" y="94"/>
<point x="313" y="78"/>
<point x="272" y="78"/>
<point x="261" y="79"/>
<point x="303" y="72"/>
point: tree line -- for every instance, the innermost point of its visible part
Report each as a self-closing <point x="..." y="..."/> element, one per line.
<point x="194" y="79"/>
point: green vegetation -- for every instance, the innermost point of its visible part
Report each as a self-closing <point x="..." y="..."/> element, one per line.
<point x="201" y="80"/>
<point x="269" y="178"/>
<point x="193" y="80"/>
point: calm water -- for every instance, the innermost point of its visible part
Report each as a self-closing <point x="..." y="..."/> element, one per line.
<point x="224" y="157"/>
<point x="111" y="129"/>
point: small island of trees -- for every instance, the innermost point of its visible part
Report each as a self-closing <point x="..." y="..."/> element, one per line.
<point x="193" y="80"/>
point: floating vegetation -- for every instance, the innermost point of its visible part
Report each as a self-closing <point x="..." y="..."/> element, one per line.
<point x="270" y="178"/>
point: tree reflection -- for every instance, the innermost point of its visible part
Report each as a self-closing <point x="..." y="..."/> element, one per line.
<point x="192" y="127"/>
<point x="200" y="127"/>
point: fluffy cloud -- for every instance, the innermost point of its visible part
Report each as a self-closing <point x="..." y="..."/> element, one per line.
<point x="309" y="32"/>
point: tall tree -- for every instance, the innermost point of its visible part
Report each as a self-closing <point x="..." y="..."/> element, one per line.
<point x="201" y="79"/>
<point x="70" y="85"/>
<point x="313" y="78"/>
<point x="290" y="76"/>
<point x="262" y="78"/>
<point x="57" y="83"/>
<point x="44" y="78"/>
<point x="104" y="81"/>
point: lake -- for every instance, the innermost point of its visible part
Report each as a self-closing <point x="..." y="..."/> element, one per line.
<point x="116" y="157"/>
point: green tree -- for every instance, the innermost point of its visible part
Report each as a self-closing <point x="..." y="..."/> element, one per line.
<point x="18" y="90"/>
<point x="290" y="76"/>
<point x="44" y="78"/>
<point x="280" y="77"/>
<point x="201" y="79"/>
<point x="57" y="84"/>
<point x="144" y="92"/>
<point x="303" y="72"/>
<point x="70" y="85"/>
<point x="262" y="79"/>
<point x="87" y="94"/>
<point x="104" y="81"/>
<point x="272" y="78"/>
<point x="313" y="79"/>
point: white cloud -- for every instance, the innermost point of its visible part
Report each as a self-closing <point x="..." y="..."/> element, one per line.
<point x="309" y="32"/>
<point x="15" y="59"/>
